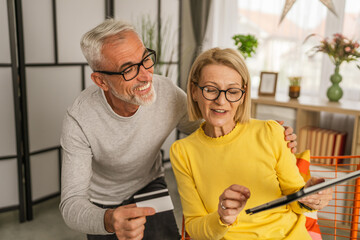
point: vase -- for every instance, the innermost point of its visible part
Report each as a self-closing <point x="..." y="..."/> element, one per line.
<point x="334" y="92"/>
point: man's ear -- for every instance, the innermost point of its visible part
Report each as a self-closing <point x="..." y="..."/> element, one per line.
<point x="99" y="80"/>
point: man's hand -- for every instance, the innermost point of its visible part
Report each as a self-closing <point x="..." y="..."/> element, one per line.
<point x="231" y="202"/>
<point x="289" y="136"/>
<point x="318" y="200"/>
<point x="128" y="221"/>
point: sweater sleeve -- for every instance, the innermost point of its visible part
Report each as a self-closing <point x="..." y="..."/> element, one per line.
<point x="77" y="210"/>
<point x="288" y="174"/>
<point x="199" y="223"/>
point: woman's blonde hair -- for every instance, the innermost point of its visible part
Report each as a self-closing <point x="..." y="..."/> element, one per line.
<point x="227" y="57"/>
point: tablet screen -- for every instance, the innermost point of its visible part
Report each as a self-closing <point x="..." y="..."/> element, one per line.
<point x="302" y="193"/>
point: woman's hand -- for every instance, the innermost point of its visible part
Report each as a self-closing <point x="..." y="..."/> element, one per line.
<point x="231" y="202"/>
<point x="318" y="200"/>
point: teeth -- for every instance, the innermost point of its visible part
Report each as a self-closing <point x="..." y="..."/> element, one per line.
<point x="144" y="87"/>
<point x="219" y="111"/>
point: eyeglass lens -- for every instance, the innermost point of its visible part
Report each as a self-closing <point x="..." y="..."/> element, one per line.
<point x="133" y="70"/>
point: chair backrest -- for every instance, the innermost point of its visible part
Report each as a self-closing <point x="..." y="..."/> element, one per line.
<point x="340" y="219"/>
<point x="184" y="234"/>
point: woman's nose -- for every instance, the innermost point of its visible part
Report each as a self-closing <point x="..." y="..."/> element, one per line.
<point x="221" y="99"/>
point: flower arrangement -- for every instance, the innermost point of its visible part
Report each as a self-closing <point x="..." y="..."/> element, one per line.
<point x="246" y="44"/>
<point x="339" y="49"/>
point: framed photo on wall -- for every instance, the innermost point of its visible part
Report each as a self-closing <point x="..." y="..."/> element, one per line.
<point x="267" y="85"/>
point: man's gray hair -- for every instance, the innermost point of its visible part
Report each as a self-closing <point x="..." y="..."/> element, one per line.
<point x="92" y="42"/>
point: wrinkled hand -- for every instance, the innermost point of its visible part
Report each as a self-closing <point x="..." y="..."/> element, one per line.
<point x="231" y="202"/>
<point x="128" y="221"/>
<point x="318" y="200"/>
<point x="289" y="136"/>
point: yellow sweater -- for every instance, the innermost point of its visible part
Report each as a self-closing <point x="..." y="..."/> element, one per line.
<point x="254" y="155"/>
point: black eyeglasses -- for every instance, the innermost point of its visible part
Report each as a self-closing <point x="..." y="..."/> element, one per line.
<point x="212" y="93"/>
<point x="132" y="71"/>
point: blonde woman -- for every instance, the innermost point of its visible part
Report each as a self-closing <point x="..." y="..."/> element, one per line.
<point x="233" y="161"/>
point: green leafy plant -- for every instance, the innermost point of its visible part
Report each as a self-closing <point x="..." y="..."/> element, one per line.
<point x="148" y="30"/>
<point x="295" y="81"/>
<point x="246" y="44"/>
<point x="339" y="49"/>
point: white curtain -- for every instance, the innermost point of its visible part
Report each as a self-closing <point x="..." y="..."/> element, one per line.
<point x="334" y="24"/>
<point x="222" y="24"/>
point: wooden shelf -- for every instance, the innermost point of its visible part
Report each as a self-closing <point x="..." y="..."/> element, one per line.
<point x="308" y="111"/>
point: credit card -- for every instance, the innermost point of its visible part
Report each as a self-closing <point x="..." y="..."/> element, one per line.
<point x="159" y="200"/>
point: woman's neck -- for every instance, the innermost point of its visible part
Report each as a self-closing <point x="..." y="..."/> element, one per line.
<point x="216" y="132"/>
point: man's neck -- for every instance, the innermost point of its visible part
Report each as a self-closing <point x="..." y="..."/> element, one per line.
<point x="121" y="107"/>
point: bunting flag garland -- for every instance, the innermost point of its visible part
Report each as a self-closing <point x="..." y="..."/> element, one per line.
<point x="330" y="5"/>
<point x="287" y="7"/>
<point x="289" y="3"/>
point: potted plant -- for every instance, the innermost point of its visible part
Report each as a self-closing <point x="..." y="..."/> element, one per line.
<point x="294" y="88"/>
<point x="339" y="49"/>
<point x="246" y="44"/>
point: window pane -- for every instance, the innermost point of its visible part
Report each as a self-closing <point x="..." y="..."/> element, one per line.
<point x="281" y="47"/>
<point x="349" y="71"/>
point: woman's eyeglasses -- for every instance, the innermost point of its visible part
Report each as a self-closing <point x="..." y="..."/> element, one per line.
<point x="212" y="93"/>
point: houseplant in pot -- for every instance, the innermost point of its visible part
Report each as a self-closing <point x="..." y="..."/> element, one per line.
<point x="294" y="87"/>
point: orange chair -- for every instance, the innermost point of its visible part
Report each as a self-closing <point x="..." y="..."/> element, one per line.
<point x="340" y="219"/>
<point x="184" y="234"/>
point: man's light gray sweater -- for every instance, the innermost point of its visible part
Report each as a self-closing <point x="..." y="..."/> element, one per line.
<point x="107" y="158"/>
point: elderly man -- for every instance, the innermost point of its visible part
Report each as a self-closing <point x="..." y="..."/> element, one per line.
<point x="112" y="136"/>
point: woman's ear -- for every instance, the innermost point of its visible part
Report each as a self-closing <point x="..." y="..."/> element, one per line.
<point x="244" y="95"/>
<point x="193" y="92"/>
<point x="243" y="98"/>
<point x="99" y="80"/>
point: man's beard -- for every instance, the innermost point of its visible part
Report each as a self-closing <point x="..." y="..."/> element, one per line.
<point x="142" y="100"/>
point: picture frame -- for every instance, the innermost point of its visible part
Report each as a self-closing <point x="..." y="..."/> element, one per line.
<point x="268" y="82"/>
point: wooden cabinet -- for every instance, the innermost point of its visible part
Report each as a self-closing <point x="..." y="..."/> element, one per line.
<point x="308" y="111"/>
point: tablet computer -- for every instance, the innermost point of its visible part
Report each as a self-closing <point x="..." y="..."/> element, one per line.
<point x="302" y="193"/>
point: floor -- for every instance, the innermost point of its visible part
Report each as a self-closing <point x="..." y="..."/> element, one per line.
<point x="48" y="223"/>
